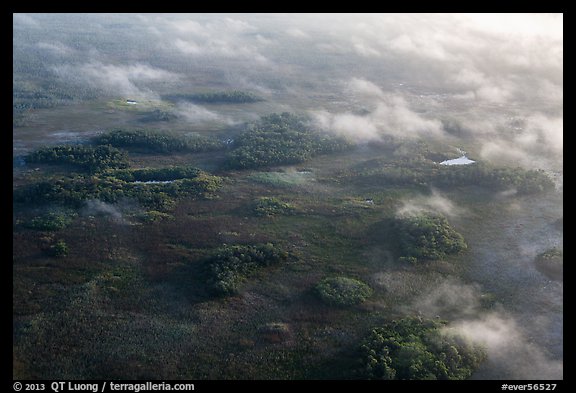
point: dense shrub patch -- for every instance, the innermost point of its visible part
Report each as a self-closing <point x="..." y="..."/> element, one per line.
<point x="279" y="139"/>
<point x="426" y="173"/>
<point x="157" y="174"/>
<point x="92" y="159"/>
<point x="51" y="221"/>
<point x="270" y="206"/>
<point x="343" y="291"/>
<point x="107" y="188"/>
<point x="412" y="349"/>
<point x="158" y="141"/>
<point x="229" y="266"/>
<point x="427" y="237"/>
<point x="58" y="249"/>
<point x="217" y="97"/>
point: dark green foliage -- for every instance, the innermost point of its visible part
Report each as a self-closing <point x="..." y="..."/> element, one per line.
<point x="157" y="174"/>
<point x="51" y="221"/>
<point x="230" y="265"/>
<point x="154" y="216"/>
<point x="279" y="139"/>
<point x="204" y="185"/>
<point x="270" y="206"/>
<point x="218" y="97"/>
<point x="92" y="159"/>
<point x="421" y="172"/>
<point x="427" y="237"/>
<point x="158" y="115"/>
<point x="69" y="191"/>
<point x="343" y="291"/>
<point x="412" y="349"/>
<point x="157" y="196"/>
<point x="525" y="181"/>
<point x="59" y="249"/>
<point x="158" y="141"/>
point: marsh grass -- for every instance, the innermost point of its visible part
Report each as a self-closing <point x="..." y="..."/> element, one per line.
<point x="131" y="301"/>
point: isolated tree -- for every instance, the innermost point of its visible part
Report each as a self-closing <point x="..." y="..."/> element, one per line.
<point x="59" y="249"/>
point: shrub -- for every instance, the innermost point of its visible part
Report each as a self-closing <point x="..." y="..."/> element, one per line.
<point x="343" y="291"/>
<point x="50" y="221"/>
<point x="230" y="265"/>
<point x="427" y="237"/>
<point x="92" y="159"/>
<point x="153" y="216"/>
<point x="270" y="206"/>
<point x="59" y="249"/>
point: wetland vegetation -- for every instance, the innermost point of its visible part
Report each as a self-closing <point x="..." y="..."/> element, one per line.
<point x="260" y="197"/>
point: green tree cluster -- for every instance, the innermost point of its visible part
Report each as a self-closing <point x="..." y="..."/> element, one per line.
<point x="525" y="181"/>
<point x="58" y="249"/>
<point x="280" y="139"/>
<point x="158" y="141"/>
<point x="229" y="266"/>
<point x="89" y="158"/>
<point x="271" y="206"/>
<point x="343" y="291"/>
<point x="425" y="173"/>
<point x="414" y="349"/>
<point x="51" y="221"/>
<point x="427" y="237"/>
<point x="156" y="196"/>
<point x="168" y="173"/>
<point x="217" y="97"/>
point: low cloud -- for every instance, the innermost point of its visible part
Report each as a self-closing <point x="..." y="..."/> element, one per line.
<point x="509" y="349"/>
<point x="126" y="80"/>
<point x="515" y="350"/>
<point x="536" y="141"/>
<point x="355" y="127"/>
<point x="222" y="37"/>
<point x="296" y="33"/>
<point x="364" y="49"/>
<point x="198" y="114"/>
<point x="448" y="298"/>
<point x="365" y="89"/>
<point x="434" y="203"/>
<point x="25" y="20"/>
<point x="390" y="114"/>
<point x="57" y="48"/>
<point x="97" y="207"/>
